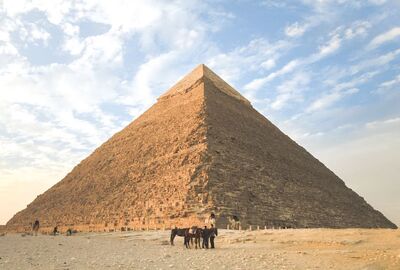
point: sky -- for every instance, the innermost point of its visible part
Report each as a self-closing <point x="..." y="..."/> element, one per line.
<point x="326" y="72"/>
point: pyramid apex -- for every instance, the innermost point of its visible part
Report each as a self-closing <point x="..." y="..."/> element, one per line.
<point x="204" y="71"/>
<point x="204" y="67"/>
<point x="199" y="73"/>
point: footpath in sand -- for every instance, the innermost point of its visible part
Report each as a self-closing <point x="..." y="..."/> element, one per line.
<point x="270" y="249"/>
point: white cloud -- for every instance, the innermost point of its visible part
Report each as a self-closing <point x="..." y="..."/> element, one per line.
<point x="385" y="37"/>
<point x="328" y="48"/>
<point x="340" y="90"/>
<point x="373" y="62"/>
<point x="105" y="50"/>
<point x="173" y="24"/>
<point x="32" y="33"/>
<point x="357" y="29"/>
<point x="291" y="90"/>
<point x="87" y="82"/>
<point x="377" y="2"/>
<point x="268" y="64"/>
<point x="7" y="26"/>
<point x="383" y="123"/>
<point x="331" y="46"/>
<point x="153" y="75"/>
<point x="14" y="8"/>
<point x="258" y="83"/>
<point x="328" y="5"/>
<point x="295" y="29"/>
<point x="328" y="99"/>
<point x="353" y="82"/>
<point x="70" y="29"/>
<point x="55" y="10"/>
<point x="274" y="4"/>
<point x="257" y="54"/>
<point x="389" y="84"/>
<point x="72" y="42"/>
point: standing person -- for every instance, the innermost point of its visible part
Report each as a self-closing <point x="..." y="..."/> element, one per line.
<point x="35" y="227"/>
<point x="205" y="235"/>
<point x="213" y="234"/>
<point x="212" y="219"/>
<point x="55" y="230"/>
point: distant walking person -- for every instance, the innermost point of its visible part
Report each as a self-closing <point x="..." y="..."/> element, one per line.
<point x="35" y="227"/>
<point x="55" y="230"/>
<point x="213" y="234"/>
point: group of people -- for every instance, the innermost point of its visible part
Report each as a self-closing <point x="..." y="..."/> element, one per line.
<point x="208" y="236"/>
<point x="36" y="225"/>
<point x="200" y="237"/>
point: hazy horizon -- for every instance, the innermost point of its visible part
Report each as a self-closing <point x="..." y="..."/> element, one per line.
<point x="327" y="73"/>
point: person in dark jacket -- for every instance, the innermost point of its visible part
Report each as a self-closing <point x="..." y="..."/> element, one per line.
<point x="213" y="233"/>
<point x="205" y="235"/>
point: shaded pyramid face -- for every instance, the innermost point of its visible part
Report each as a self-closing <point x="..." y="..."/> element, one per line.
<point x="201" y="149"/>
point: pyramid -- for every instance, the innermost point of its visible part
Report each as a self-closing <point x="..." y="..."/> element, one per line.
<point x="201" y="149"/>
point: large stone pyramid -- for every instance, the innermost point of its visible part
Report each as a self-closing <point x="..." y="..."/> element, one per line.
<point x="201" y="149"/>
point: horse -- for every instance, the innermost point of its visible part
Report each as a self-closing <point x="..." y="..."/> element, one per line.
<point x="178" y="232"/>
<point x="196" y="234"/>
<point x="189" y="234"/>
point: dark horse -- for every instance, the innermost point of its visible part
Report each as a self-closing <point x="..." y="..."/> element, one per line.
<point x="196" y="234"/>
<point x="188" y="235"/>
<point x="178" y="232"/>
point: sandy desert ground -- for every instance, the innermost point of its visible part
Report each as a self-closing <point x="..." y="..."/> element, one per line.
<point x="269" y="249"/>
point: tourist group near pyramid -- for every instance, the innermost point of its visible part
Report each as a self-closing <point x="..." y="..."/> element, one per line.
<point x="201" y="149"/>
